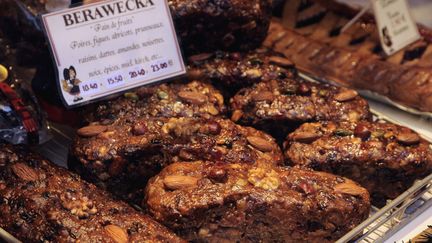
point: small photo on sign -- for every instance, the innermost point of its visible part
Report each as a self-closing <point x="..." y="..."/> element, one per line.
<point x="71" y="83"/>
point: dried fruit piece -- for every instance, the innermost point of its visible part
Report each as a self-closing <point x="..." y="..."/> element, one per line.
<point x="304" y="89"/>
<point x="408" y="138"/>
<point x="91" y="131"/>
<point x="118" y="234"/>
<point x="131" y="95"/>
<point x="362" y="131"/>
<point x="260" y="143"/>
<point x="350" y="188"/>
<point x="213" y="127"/>
<point x="305" y="137"/>
<point x="237" y="114"/>
<point x="342" y="132"/>
<point x="281" y="61"/>
<point x="346" y="95"/>
<point x="192" y="97"/>
<point x="263" y="96"/>
<point x="218" y="175"/>
<point x="139" y="129"/>
<point x="25" y="172"/>
<point x="176" y="182"/>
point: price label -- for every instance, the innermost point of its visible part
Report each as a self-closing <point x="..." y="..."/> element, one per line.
<point x="112" y="46"/>
<point x="395" y="25"/>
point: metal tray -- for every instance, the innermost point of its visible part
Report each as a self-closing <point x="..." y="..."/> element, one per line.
<point x="377" y="228"/>
<point x="382" y="222"/>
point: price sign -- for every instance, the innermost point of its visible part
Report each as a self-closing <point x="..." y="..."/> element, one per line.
<point x="395" y="24"/>
<point x="112" y="46"/>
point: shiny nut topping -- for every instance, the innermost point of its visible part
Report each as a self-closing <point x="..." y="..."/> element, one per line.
<point x="346" y="95"/>
<point x="350" y="188"/>
<point x="217" y="174"/>
<point x="118" y="234"/>
<point x="176" y="182"/>
<point x="305" y="137"/>
<point x="263" y="96"/>
<point x="237" y="114"/>
<point x="91" y="131"/>
<point x="200" y="57"/>
<point x="280" y="61"/>
<point x="362" y="131"/>
<point x="408" y="138"/>
<point x="192" y="97"/>
<point x="260" y="143"/>
<point x="24" y="172"/>
<point x="139" y="129"/>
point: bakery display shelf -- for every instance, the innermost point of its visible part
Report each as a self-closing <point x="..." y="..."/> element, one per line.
<point x="382" y="222"/>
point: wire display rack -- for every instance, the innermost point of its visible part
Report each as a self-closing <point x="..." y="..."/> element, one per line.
<point x="382" y="222"/>
<point x="385" y="221"/>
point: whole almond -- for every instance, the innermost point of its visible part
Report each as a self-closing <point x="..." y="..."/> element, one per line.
<point x="176" y="182"/>
<point x="237" y="114"/>
<point x="118" y="234"/>
<point x="24" y="172"/>
<point x="408" y="138"/>
<point x="200" y="57"/>
<point x="192" y="97"/>
<point x="260" y="143"/>
<point x="263" y="96"/>
<point x="305" y="137"/>
<point x="281" y="61"/>
<point x="350" y="188"/>
<point x="91" y="131"/>
<point x="346" y="95"/>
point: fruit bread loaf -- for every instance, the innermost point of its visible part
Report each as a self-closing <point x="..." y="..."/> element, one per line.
<point x="204" y="25"/>
<point x="123" y="157"/>
<point x="281" y="105"/>
<point x="212" y="202"/>
<point x="177" y="99"/>
<point x="309" y="34"/>
<point x="230" y="71"/>
<point x="382" y="157"/>
<point x="41" y="202"/>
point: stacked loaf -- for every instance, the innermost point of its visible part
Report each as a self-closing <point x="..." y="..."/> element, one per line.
<point x="241" y="150"/>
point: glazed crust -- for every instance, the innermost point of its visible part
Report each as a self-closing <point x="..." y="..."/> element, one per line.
<point x="382" y="157"/>
<point x="177" y="99"/>
<point x="230" y="71"/>
<point x="220" y="25"/>
<point x="40" y="202"/>
<point x="124" y="157"/>
<point x="254" y="203"/>
<point x="280" y="106"/>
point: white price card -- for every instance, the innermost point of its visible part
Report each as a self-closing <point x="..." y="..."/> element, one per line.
<point x="396" y="27"/>
<point x="112" y="46"/>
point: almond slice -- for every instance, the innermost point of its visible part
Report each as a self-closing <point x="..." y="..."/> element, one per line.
<point x="24" y="172"/>
<point x="179" y="182"/>
<point x="118" y="234"/>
